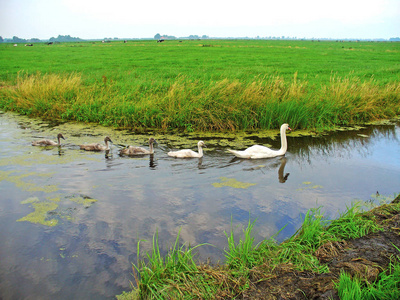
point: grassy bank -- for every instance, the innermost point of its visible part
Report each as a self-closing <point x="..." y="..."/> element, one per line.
<point x="249" y="266"/>
<point x="206" y="106"/>
<point x="204" y="85"/>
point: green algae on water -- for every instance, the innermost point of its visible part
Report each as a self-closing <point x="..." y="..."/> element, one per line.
<point x="43" y="210"/>
<point x="309" y="186"/>
<point x="38" y="158"/>
<point x="85" y="201"/>
<point x="27" y="186"/>
<point x="39" y="216"/>
<point x="30" y="200"/>
<point x="232" y="182"/>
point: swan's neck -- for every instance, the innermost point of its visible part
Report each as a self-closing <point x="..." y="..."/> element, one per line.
<point x="151" y="147"/>
<point x="283" y="142"/>
<point x="200" y="151"/>
<point x="107" y="147"/>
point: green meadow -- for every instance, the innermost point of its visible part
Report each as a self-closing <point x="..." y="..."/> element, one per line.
<point x="204" y="85"/>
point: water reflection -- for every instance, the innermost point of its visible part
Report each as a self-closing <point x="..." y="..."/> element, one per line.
<point x="90" y="251"/>
<point x="343" y="144"/>
<point x="283" y="177"/>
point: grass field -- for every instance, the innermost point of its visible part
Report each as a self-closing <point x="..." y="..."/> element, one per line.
<point x="204" y="84"/>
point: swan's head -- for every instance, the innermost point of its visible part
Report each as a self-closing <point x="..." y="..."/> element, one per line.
<point x="201" y="144"/>
<point x="285" y="127"/>
<point x="60" y="136"/>
<point x="107" y="139"/>
<point x="152" y="140"/>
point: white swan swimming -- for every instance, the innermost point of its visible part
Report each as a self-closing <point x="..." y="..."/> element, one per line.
<point x="186" y="153"/>
<point x="45" y="142"/>
<point x="258" y="151"/>
<point x="97" y="146"/>
<point x="131" y="150"/>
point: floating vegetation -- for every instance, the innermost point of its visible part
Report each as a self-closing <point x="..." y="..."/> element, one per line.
<point x="232" y="182"/>
<point x="308" y="183"/>
<point x="37" y="157"/>
<point x="30" y="200"/>
<point x="85" y="201"/>
<point x="45" y="211"/>
<point x="27" y="186"/>
<point x="39" y="216"/>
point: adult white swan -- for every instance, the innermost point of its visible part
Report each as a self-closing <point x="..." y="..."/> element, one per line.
<point x="45" y="142"/>
<point x="186" y="153"/>
<point x="97" y="146"/>
<point x="258" y="151"/>
<point x="132" y="150"/>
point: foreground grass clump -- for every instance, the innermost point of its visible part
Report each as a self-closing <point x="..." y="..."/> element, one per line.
<point x="177" y="276"/>
<point x="387" y="287"/>
<point x="184" y="103"/>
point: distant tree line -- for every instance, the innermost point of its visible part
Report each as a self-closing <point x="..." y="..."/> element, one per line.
<point x="171" y="37"/>
<point x="60" y="38"/>
<point x="65" y="38"/>
<point x="16" y="39"/>
<point x="68" y="38"/>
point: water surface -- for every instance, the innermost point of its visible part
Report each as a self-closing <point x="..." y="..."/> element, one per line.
<point x="70" y="220"/>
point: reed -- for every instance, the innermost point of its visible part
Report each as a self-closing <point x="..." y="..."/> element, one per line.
<point x="228" y="85"/>
<point x="190" y="104"/>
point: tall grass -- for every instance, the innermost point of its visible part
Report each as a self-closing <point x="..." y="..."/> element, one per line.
<point x="182" y="102"/>
<point x="176" y="276"/>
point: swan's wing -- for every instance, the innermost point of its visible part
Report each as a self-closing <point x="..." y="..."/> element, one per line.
<point x="44" y="143"/>
<point x="240" y="154"/>
<point x="124" y="150"/>
<point x="255" y="151"/>
<point x="138" y="150"/>
<point x="100" y="147"/>
<point x="86" y="147"/>
<point x="92" y="147"/>
<point x="183" y="153"/>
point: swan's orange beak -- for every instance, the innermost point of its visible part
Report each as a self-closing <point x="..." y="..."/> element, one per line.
<point x="289" y="128"/>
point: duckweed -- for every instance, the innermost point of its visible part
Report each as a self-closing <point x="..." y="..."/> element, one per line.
<point x="232" y="182"/>
<point x="39" y="216"/>
<point x="308" y="183"/>
<point x="85" y="201"/>
<point x="27" y="186"/>
<point x="44" y="209"/>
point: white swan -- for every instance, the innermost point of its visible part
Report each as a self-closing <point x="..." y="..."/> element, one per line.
<point x="258" y="151"/>
<point x="186" y="153"/>
<point x="131" y="150"/>
<point x="45" y="142"/>
<point x="97" y="146"/>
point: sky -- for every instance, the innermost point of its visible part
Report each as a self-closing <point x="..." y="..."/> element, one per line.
<point x="97" y="19"/>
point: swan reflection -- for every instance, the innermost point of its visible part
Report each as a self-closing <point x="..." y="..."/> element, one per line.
<point x="282" y="178"/>
<point x="152" y="163"/>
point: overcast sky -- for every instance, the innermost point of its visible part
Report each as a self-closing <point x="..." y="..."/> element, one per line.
<point x="89" y="19"/>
